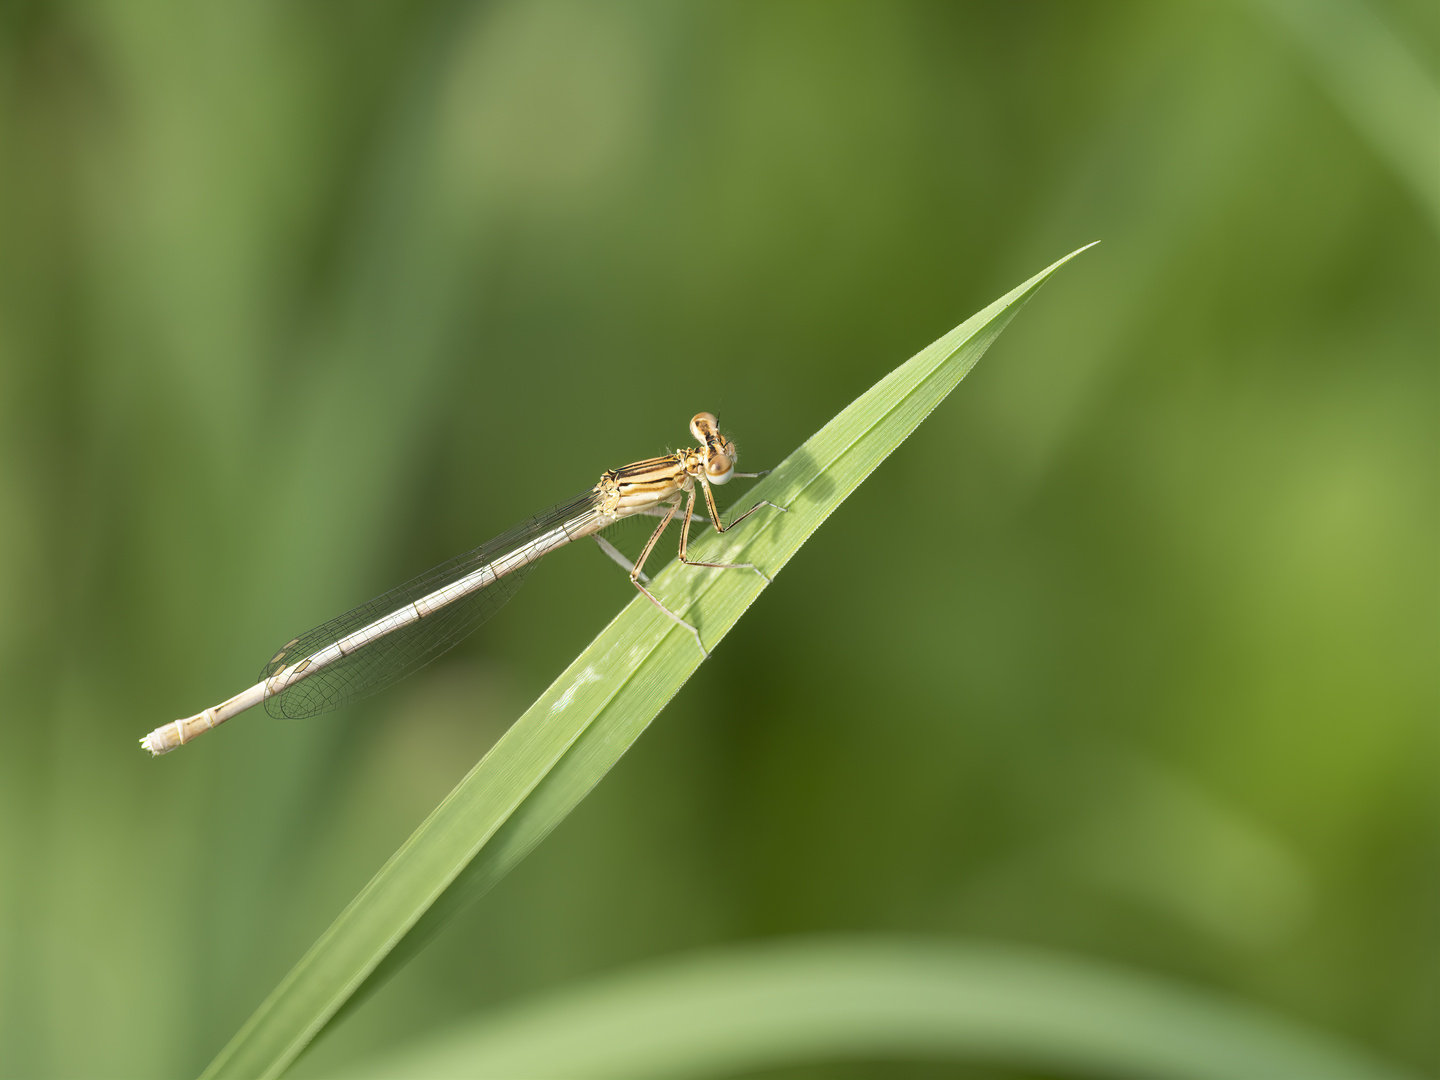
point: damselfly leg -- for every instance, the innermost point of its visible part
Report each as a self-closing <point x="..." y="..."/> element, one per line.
<point x="619" y="556"/>
<point x="636" y="570"/>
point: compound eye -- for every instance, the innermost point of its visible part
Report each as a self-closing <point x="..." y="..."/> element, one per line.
<point x="719" y="468"/>
<point x="704" y="425"/>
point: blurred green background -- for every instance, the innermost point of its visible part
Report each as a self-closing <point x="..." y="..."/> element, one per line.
<point x="1130" y="652"/>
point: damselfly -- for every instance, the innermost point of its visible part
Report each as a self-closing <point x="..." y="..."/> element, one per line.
<point x="367" y="649"/>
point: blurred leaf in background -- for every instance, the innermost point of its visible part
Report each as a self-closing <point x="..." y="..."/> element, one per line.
<point x="1132" y="654"/>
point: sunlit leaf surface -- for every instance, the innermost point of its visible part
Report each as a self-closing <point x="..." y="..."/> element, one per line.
<point x="571" y="737"/>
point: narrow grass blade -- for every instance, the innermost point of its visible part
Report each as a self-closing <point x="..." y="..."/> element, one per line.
<point x="784" y="1004"/>
<point x="571" y="737"/>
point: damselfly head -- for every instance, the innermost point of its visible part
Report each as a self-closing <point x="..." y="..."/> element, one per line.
<point x="720" y="452"/>
<point x="705" y="427"/>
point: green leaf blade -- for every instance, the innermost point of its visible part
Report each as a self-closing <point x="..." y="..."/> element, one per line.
<point x="563" y="745"/>
<point x="785" y="1003"/>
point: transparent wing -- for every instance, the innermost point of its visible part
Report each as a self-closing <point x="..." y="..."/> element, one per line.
<point x="403" y="651"/>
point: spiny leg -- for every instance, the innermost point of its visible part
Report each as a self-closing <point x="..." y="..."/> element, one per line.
<point x="685" y="543"/>
<point x="715" y="520"/>
<point x="656" y="511"/>
<point x="715" y="514"/>
<point x="636" y="573"/>
<point x="616" y="554"/>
